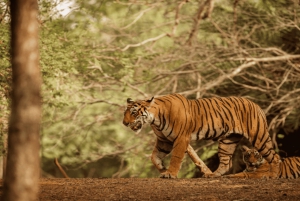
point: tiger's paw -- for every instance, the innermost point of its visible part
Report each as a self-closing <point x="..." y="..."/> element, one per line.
<point x="167" y="175"/>
<point x="231" y="176"/>
<point x="212" y="175"/>
<point x="275" y="167"/>
<point x="237" y="175"/>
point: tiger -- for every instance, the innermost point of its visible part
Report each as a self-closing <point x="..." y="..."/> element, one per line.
<point x="257" y="166"/>
<point x="252" y="159"/>
<point x="177" y="120"/>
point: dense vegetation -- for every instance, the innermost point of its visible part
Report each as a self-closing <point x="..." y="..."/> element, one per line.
<point x="103" y="52"/>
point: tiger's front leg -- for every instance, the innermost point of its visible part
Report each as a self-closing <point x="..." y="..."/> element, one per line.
<point x="160" y="151"/>
<point x="178" y="152"/>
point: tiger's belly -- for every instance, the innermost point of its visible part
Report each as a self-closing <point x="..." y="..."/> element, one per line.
<point x="207" y="132"/>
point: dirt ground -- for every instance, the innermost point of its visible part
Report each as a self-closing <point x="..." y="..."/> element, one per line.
<point x="168" y="189"/>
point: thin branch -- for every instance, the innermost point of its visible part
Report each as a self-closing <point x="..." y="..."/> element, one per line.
<point x="137" y="89"/>
<point x="199" y="15"/>
<point x="137" y="18"/>
<point x="4" y="13"/>
<point x="267" y="59"/>
<point x="284" y="99"/>
<point x="177" y="18"/>
<point x="102" y="101"/>
<point x="248" y="86"/>
<point x="224" y="34"/>
<point x="220" y="79"/>
<point x="77" y="112"/>
<point x="181" y="72"/>
<point x="283" y="81"/>
<point x="263" y="78"/>
<point x="118" y="152"/>
<point x="144" y="42"/>
<point x="173" y="79"/>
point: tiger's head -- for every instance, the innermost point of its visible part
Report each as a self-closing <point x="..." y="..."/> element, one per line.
<point x="136" y="114"/>
<point x="252" y="158"/>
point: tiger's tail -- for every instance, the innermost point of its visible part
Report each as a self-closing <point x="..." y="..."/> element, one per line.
<point x="290" y="168"/>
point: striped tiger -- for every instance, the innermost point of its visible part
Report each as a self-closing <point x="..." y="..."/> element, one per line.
<point x="258" y="167"/>
<point x="177" y="120"/>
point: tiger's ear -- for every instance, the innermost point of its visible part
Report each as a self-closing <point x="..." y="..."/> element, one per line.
<point x="129" y="100"/>
<point x="150" y="100"/>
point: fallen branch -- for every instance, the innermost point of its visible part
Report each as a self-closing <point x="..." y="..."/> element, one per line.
<point x="60" y="168"/>
<point x="198" y="162"/>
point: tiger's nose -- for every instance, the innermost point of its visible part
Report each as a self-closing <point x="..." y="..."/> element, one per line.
<point x="125" y="123"/>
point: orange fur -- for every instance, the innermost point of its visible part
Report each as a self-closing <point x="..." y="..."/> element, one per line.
<point x="289" y="168"/>
<point x="176" y="121"/>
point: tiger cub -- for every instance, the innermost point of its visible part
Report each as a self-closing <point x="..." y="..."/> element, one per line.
<point x="258" y="167"/>
<point x="253" y="159"/>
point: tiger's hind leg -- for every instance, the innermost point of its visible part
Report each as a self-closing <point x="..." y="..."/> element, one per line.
<point x="226" y="148"/>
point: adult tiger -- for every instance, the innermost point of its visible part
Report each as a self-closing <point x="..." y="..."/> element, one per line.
<point x="176" y="120"/>
<point x="258" y="167"/>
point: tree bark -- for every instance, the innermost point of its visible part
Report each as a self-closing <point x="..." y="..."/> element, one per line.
<point x="23" y="164"/>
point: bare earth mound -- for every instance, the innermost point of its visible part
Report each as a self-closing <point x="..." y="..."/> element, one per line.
<point x="168" y="189"/>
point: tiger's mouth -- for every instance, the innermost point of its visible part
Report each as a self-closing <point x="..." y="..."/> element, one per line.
<point x="251" y="167"/>
<point x="137" y="126"/>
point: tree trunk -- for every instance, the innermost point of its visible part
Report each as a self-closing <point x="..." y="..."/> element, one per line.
<point x="23" y="165"/>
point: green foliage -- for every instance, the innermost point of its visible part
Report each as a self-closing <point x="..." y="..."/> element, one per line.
<point x="5" y="80"/>
<point x="103" y="52"/>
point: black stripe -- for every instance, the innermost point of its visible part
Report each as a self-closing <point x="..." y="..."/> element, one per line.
<point x="223" y="151"/>
<point x="207" y="120"/>
<point x="256" y="135"/>
<point x="198" y="106"/>
<point x="172" y="128"/>
<point x="162" y="150"/>
<point x="212" y="122"/>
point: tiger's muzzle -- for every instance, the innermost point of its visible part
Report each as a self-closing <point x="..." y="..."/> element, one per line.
<point x="135" y="126"/>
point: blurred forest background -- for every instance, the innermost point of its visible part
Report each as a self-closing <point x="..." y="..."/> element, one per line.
<point x="96" y="53"/>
